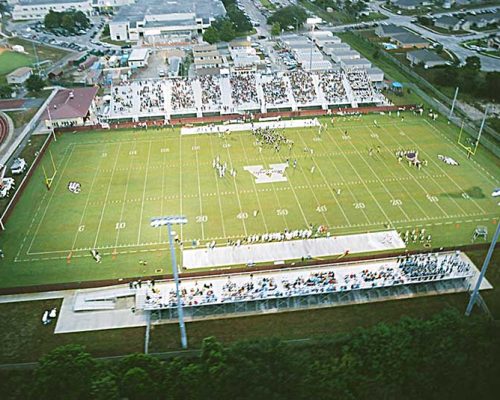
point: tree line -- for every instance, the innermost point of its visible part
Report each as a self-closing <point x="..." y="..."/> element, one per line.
<point x="226" y="29"/>
<point x="445" y="357"/>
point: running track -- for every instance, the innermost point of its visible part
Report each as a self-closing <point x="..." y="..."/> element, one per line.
<point x="4" y="129"/>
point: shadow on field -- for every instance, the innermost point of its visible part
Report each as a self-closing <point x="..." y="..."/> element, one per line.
<point x="474" y="192"/>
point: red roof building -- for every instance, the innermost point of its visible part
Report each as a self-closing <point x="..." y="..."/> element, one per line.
<point x="70" y="107"/>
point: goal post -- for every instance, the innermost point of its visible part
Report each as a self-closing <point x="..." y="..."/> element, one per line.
<point x="468" y="144"/>
<point x="50" y="173"/>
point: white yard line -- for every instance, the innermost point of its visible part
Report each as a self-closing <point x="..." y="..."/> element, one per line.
<point x="478" y="167"/>
<point x="400" y="184"/>
<point x="378" y="179"/>
<point x="444" y="172"/>
<point x="438" y="221"/>
<point x="53" y="190"/>
<point x="199" y="191"/>
<point x="45" y="194"/>
<point x="237" y="192"/>
<point x="106" y="198"/>
<point x="364" y="184"/>
<point x="425" y="191"/>
<point x="144" y="194"/>
<point x="294" y="194"/>
<point x="218" y="191"/>
<point x="332" y="192"/>
<point x="341" y="175"/>
<point x="163" y="184"/>
<point x="255" y="189"/>
<point x="86" y="203"/>
<point x="180" y="186"/>
<point x="124" y="198"/>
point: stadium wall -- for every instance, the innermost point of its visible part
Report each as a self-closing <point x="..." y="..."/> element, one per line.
<point x="232" y="117"/>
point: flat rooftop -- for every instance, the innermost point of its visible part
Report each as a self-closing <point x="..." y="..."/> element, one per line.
<point x="142" y="8"/>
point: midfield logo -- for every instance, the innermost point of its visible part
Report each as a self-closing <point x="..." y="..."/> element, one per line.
<point x="275" y="173"/>
<point x="74" y="187"/>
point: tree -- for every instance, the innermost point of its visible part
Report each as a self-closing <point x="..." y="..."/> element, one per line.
<point x="211" y="35"/>
<point x="68" y="23"/>
<point x="52" y="20"/>
<point x="65" y="372"/>
<point x="276" y="29"/>
<point x="81" y="19"/>
<point x="104" y="387"/>
<point x="6" y="91"/>
<point x="290" y="16"/>
<point x="35" y="83"/>
<point x="473" y="63"/>
<point x="239" y="19"/>
<point x="227" y="32"/>
<point x="136" y="384"/>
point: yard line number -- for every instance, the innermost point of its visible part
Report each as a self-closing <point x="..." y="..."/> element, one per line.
<point x="201" y="219"/>
<point x="120" y="225"/>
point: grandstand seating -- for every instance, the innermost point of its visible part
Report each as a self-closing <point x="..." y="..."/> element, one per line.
<point x="408" y="270"/>
<point x="247" y="91"/>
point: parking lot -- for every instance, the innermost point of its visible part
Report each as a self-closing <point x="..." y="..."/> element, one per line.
<point x="85" y="40"/>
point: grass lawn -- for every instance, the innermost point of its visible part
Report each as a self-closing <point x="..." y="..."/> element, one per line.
<point x="11" y="60"/>
<point x="128" y="176"/>
<point x="267" y="4"/>
<point x="45" y="53"/>
<point x="28" y="339"/>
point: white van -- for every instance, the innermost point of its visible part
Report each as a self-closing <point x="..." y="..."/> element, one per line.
<point x="18" y="166"/>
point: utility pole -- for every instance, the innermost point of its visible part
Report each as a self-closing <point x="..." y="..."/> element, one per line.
<point x="475" y="293"/>
<point x="453" y="104"/>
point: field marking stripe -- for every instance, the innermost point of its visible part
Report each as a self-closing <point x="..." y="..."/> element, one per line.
<point x="262" y="160"/>
<point x="144" y="194"/>
<point x="399" y="182"/>
<point x="449" y="177"/>
<point x="118" y="231"/>
<point x="364" y="184"/>
<point x="219" y="197"/>
<point x="337" y="170"/>
<point x="180" y="187"/>
<point x="255" y="188"/>
<point x="50" y="198"/>
<point x="86" y="203"/>
<point x="334" y="195"/>
<point x="107" y="195"/>
<point x="478" y="167"/>
<point x="163" y="182"/>
<point x="237" y="192"/>
<point x="399" y="223"/>
<point x="377" y="177"/>
<point x="199" y="188"/>
<point x="427" y="175"/>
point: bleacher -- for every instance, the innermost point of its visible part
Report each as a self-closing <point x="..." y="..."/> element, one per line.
<point x="247" y="91"/>
<point x="407" y="273"/>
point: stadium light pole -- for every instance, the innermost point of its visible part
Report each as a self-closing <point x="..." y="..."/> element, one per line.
<point x="473" y="297"/>
<point x="158" y="222"/>
<point x="453" y="104"/>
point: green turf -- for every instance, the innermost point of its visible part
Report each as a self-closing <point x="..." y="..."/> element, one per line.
<point x="127" y="177"/>
<point x="10" y="60"/>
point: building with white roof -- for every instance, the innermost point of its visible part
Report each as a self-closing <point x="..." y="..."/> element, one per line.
<point x="138" y="58"/>
<point x="159" y="20"/>
<point x="37" y="9"/>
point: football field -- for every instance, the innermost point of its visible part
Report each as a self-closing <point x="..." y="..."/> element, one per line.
<point x="349" y="183"/>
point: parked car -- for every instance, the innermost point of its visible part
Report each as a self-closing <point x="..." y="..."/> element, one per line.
<point x="18" y="166"/>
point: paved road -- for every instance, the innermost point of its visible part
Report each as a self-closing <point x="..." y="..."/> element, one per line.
<point x="450" y="42"/>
